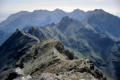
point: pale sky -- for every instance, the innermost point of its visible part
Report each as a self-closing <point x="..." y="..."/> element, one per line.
<point x="8" y="7"/>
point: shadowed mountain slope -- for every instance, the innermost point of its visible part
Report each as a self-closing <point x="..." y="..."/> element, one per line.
<point x="83" y="40"/>
<point x="105" y="23"/>
<point x="35" y="58"/>
<point x="98" y="20"/>
<point x="12" y="48"/>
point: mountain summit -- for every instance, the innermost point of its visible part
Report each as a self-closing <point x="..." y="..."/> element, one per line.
<point x="93" y="34"/>
<point x="32" y="59"/>
<point x="98" y="20"/>
<point x="12" y="48"/>
<point x="37" y="18"/>
<point x="83" y="40"/>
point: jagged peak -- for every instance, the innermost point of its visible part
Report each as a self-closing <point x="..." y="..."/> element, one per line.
<point x="97" y="11"/>
<point x="22" y="33"/>
<point x="77" y="10"/>
<point x="65" y="22"/>
<point x="60" y="10"/>
<point x="18" y="30"/>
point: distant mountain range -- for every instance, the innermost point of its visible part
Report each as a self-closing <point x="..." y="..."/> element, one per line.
<point x="37" y="18"/>
<point x="99" y="20"/>
<point x="92" y="34"/>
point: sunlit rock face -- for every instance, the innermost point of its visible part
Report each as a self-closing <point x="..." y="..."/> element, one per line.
<point x="36" y="60"/>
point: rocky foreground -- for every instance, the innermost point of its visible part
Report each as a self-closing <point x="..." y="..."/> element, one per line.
<point x="42" y="60"/>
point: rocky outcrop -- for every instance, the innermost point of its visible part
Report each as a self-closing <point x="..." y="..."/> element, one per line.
<point x="72" y="70"/>
<point x="81" y="39"/>
<point x="13" y="49"/>
<point x="25" y="57"/>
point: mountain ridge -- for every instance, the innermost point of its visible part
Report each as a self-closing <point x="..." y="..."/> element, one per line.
<point x="98" y="20"/>
<point x="47" y="14"/>
<point x="43" y="56"/>
<point x="96" y="36"/>
<point x="75" y="36"/>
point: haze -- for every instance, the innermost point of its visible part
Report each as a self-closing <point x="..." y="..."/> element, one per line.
<point x="8" y="7"/>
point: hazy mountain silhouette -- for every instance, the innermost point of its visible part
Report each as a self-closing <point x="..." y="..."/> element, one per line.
<point x="92" y="34"/>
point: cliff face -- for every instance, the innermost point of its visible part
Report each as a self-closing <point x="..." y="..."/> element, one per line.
<point x="15" y="47"/>
<point x="47" y="60"/>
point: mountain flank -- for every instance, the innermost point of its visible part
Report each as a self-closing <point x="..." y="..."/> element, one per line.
<point x="33" y="59"/>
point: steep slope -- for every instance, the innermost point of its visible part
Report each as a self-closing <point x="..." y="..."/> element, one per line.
<point x="3" y="36"/>
<point x="77" y="14"/>
<point x="114" y="61"/>
<point x="88" y="36"/>
<point x="104" y="22"/>
<point x="35" y="58"/>
<point x="84" y="41"/>
<point x="76" y="35"/>
<point x="10" y="51"/>
<point x="98" y="20"/>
